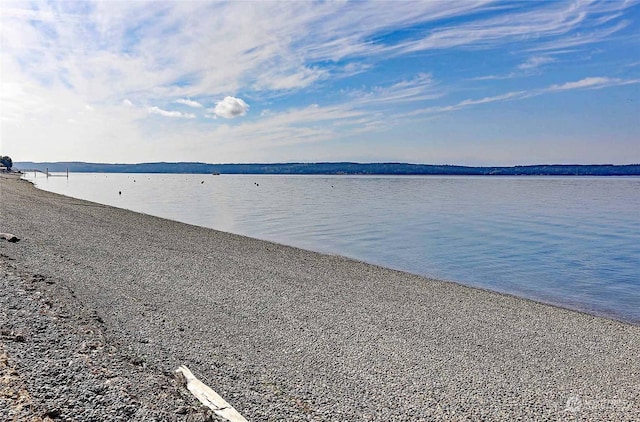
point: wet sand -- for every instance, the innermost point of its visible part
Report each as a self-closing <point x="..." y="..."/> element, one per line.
<point x="287" y="334"/>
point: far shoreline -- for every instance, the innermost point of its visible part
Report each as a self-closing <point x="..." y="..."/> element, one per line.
<point x="337" y="168"/>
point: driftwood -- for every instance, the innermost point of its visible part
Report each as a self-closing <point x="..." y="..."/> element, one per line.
<point x="207" y="396"/>
<point x="10" y="237"/>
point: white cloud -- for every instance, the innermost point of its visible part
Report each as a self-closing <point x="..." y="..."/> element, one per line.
<point x="127" y="103"/>
<point x="230" y="107"/>
<point x="188" y="102"/>
<point x="166" y="113"/>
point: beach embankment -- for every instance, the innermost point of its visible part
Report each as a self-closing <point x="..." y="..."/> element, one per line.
<point x="101" y="305"/>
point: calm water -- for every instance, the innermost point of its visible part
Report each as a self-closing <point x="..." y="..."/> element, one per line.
<point x="568" y="241"/>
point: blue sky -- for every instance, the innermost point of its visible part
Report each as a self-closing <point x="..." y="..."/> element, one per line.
<point x="438" y="82"/>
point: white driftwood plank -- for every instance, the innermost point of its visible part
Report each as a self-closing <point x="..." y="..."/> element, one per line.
<point x="208" y="397"/>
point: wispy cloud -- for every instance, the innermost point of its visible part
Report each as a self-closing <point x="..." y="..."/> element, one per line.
<point x="167" y="113"/>
<point x="288" y="78"/>
<point x="471" y="102"/>
<point x="289" y="128"/>
<point x="510" y="75"/>
<point x="535" y="62"/>
<point x="553" y="27"/>
<point x="527" y="68"/>
<point x="586" y="83"/>
<point x="188" y="102"/>
<point x="507" y="96"/>
<point x="573" y="40"/>
<point x="591" y="83"/>
<point x="583" y="83"/>
<point x="420" y="88"/>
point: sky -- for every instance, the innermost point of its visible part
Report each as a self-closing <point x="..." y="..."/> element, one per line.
<point x="470" y="82"/>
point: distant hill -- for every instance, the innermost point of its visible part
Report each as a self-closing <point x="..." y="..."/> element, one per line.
<point x="337" y="168"/>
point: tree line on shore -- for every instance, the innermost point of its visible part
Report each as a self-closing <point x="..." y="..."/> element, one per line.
<point x="336" y="168"/>
<point x="6" y="162"/>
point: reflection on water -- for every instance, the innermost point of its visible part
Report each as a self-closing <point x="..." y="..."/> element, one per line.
<point x="569" y="241"/>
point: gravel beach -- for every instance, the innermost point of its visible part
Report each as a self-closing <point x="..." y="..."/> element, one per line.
<point x="99" y="306"/>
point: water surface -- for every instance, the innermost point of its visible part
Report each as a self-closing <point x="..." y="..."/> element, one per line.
<point x="571" y="241"/>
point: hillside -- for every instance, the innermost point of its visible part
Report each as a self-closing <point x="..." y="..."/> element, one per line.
<point x="335" y="169"/>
